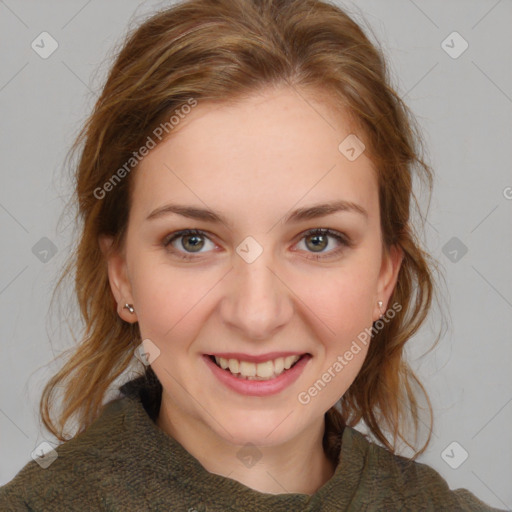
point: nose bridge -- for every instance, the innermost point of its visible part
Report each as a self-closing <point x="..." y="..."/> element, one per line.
<point x="258" y="302"/>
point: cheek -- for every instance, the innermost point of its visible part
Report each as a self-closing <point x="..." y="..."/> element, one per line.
<point x="169" y="300"/>
<point x="340" y="299"/>
<point x="340" y="308"/>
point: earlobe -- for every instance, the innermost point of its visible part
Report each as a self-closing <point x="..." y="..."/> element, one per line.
<point x="117" y="276"/>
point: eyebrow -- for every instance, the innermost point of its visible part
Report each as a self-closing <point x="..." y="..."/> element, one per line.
<point x="301" y="214"/>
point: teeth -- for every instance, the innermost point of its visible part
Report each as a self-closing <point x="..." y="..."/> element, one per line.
<point x="288" y="361"/>
<point x="260" y="371"/>
<point x="265" y="370"/>
<point x="279" y="365"/>
<point x="247" y="369"/>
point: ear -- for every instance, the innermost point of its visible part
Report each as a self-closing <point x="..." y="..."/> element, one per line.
<point x="118" y="277"/>
<point x="390" y="267"/>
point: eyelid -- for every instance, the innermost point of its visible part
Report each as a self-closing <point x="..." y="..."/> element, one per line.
<point x="327" y="232"/>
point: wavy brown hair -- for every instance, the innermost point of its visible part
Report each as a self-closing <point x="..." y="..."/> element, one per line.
<point x="225" y="50"/>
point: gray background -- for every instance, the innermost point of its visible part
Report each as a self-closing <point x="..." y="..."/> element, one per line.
<point x="464" y="107"/>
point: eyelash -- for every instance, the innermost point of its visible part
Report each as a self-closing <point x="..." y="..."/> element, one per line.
<point x="340" y="237"/>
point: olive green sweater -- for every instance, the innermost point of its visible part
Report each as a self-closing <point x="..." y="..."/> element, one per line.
<point x="124" y="462"/>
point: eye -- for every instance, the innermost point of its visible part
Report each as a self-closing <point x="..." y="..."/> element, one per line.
<point x="317" y="240"/>
<point x="192" y="241"/>
<point x="189" y="242"/>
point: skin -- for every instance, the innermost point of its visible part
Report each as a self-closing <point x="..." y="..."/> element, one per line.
<point x="254" y="162"/>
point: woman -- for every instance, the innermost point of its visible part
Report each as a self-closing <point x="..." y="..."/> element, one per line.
<point x="244" y="190"/>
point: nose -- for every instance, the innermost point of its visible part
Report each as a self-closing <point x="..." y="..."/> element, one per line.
<point x="257" y="302"/>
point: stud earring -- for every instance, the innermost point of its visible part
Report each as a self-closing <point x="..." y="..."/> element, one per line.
<point x="129" y="307"/>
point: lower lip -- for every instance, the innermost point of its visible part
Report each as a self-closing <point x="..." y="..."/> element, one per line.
<point x="258" y="387"/>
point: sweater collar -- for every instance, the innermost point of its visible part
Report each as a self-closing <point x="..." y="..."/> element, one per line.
<point x="139" y="410"/>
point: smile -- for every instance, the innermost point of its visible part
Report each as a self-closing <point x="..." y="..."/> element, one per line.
<point x="261" y="376"/>
<point x="265" y="370"/>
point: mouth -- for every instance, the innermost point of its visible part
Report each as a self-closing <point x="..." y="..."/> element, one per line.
<point x="257" y="371"/>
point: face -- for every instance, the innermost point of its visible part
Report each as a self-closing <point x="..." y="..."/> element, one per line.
<point x="254" y="287"/>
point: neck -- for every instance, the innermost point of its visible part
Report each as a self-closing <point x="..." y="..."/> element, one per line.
<point x="273" y="469"/>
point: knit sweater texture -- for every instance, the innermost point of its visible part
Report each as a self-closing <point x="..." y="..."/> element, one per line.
<point x="125" y="462"/>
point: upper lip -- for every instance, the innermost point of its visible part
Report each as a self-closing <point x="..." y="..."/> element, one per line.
<point x="256" y="358"/>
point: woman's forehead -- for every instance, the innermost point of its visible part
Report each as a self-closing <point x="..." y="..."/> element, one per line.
<point x="265" y="149"/>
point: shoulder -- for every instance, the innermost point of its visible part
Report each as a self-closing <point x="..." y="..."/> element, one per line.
<point x="86" y="459"/>
<point x="396" y="479"/>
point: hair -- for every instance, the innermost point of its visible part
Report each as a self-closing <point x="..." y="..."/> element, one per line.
<point x="220" y="51"/>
